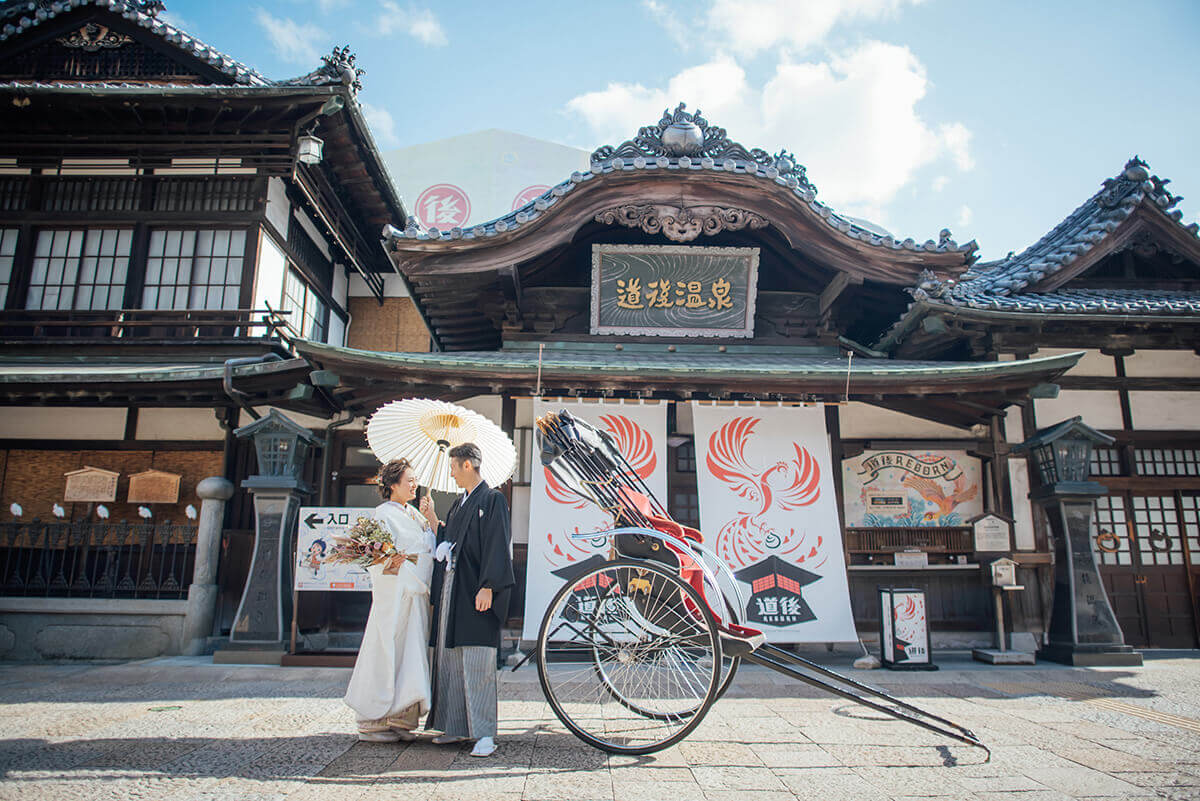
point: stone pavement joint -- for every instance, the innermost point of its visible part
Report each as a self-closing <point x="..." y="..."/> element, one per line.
<point x="181" y="728"/>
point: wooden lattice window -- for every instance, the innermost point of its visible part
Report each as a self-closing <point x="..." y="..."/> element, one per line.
<point x="194" y="269"/>
<point x="307" y="310"/>
<point x="1106" y="462"/>
<point x="79" y="269"/>
<point x="8" y="252"/>
<point x="1167" y="461"/>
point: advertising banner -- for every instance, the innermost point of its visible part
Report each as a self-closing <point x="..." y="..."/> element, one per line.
<point x="768" y="509"/>
<point x="556" y="512"/>
<point x="314" y="539"/>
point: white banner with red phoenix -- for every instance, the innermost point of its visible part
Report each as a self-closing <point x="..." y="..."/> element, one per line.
<point x="556" y="512"/>
<point x="767" y="507"/>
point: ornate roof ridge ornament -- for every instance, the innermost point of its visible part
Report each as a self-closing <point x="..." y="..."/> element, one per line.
<point x="681" y="224"/>
<point x="92" y="38"/>
<point x="337" y="67"/>
<point x="687" y="134"/>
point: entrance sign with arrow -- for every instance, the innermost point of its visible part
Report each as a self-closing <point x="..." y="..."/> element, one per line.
<point x="318" y="525"/>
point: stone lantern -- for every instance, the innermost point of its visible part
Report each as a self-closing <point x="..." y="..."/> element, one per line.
<point x="1083" y="628"/>
<point x="282" y="447"/>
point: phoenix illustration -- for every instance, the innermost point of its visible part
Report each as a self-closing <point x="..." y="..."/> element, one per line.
<point x="786" y="485"/>
<point x="930" y="491"/>
<point x="636" y="445"/>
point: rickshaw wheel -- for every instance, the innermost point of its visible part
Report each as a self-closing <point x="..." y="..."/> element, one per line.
<point x="629" y="657"/>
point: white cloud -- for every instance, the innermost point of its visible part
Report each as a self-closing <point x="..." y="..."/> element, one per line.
<point x="182" y="23"/>
<point x="749" y="26"/>
<point x="957" y="140"/>
<point x="419" y="23"/>
<point x="852" y="118"/>
<point x="964" y="217"/>
<point x="383" y="127"/>
<point x="297" y="42"/>
<point x="675" y="25"/>
<point x="939" y="183"/>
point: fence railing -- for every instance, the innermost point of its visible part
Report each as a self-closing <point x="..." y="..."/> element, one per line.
<point x="938" y="539"/>
<point x="83" y="559"/>
<point x="143" y="323"/>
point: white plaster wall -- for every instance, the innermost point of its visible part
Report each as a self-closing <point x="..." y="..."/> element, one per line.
<point x="520" y="514"/>
<point x="862" y="421"/>
<point x="487" y="405"/>
<point x="1014" y="431"/>
<point x="1018" y="481"/>
<point x="268" y="279"/>
<point x="1099" y="408"/>
<point x="524" y="413"/>
<point x="307" y="224"/>
<point x="278" y="205"/>
<point x="340" y="291"/>
<point x="178" y="424"/>
<point x="1093" y="363"/>
<point x="393" y="287"/>
<point x="1164" y="363"/>
<point x="38" y="422"/>
<point x="1165" y="411"/>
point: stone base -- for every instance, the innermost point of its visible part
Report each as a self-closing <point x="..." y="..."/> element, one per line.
<point x="1092" y="655"/>
<point x="233" y="654"/>
<point x="995" y="657"/>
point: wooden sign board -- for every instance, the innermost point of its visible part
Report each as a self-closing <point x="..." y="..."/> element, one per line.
<point x="993" y="533"/>
<point x="911" y="559"/>
<point x="90" y="484"/>
<point x="154" y="486"/>
<point x="673" y="290"/>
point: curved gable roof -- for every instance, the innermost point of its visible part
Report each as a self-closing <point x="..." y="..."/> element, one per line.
<point x="684" y="146"/>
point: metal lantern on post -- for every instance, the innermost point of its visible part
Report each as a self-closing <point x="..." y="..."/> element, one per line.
<point x="282" y="447"/>
<point x="1083" y="628"/>
<point x="310" y="149"/>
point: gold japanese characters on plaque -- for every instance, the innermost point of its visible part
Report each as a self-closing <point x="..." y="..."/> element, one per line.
<point x="154" y="486"/>
<point x="673" y="290"/>
<point x="89" y="484"/>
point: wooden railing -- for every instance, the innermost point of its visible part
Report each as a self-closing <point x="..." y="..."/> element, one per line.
<point x="84" y="559"/>
<point x="144" y="324"/>
<point x="935" y="539"/>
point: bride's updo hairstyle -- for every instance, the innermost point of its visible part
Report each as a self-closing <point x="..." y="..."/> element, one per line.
<point x="390" y="474"/>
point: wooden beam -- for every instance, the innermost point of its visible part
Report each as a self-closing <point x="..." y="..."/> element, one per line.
<point x="834" y="289"/>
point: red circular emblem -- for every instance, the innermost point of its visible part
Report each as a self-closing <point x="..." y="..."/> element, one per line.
<point x="529" y="194"/>
<point x="443" y="206"/>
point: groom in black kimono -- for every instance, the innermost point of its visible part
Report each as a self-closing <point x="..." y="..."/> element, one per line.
<point x="472" y="582"/>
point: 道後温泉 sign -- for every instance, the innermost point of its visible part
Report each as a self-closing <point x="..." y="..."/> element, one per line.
<point x="768" y="509"/>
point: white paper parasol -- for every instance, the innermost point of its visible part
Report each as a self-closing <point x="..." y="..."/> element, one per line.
<point x="422" y="430"/>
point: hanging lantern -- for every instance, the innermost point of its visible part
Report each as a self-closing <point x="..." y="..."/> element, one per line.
<point x="310" y="149"/>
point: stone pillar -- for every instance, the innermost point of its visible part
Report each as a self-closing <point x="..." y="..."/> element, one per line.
<point x="202" y="594"/>
<point x="265" y="611"/>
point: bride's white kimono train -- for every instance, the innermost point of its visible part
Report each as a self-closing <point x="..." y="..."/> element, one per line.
<point x="391" y="674"/>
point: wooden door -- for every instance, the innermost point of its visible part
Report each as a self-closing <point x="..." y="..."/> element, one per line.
<point x="1162" y="572"/>
<point x="1113" y="546"/>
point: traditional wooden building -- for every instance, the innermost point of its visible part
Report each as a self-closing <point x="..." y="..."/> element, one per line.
<point x="185" y="244"/>
<point x="169" y="219"/>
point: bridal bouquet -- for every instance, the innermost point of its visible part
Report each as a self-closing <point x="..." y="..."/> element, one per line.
<point x="368" y="543"/>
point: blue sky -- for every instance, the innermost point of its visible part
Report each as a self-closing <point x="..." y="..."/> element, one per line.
<point x="995" y="119"/>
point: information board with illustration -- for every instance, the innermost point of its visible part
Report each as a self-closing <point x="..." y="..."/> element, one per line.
<point x="885" y="489"/>
<point x="318" y="526"/>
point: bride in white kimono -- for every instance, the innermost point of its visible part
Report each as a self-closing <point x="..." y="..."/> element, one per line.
<point x="389" y="689"/>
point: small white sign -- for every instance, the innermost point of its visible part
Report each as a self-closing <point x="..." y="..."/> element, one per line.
<point x="992" y="534"/>
<point x="314" y="540"/>
<point x="912" y="559"/>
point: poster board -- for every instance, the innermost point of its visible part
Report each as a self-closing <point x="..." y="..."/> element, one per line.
<point x="317" y="527"/>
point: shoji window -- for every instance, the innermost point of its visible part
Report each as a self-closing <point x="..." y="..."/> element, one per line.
<point x="307" y="311"/>
<point x="194" y="269"/>
<point x="77" y="269"/>
<point x="8" y="252"/>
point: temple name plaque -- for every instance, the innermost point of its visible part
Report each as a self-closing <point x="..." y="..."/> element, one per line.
<point x="89" y="484"/>
<point x="673" y="290"/>
<point x="154" y="486"/>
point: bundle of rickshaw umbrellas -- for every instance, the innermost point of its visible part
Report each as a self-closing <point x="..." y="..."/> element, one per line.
<point x="423" y="431"/>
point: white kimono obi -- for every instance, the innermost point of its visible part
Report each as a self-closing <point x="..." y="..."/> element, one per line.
<point x="391" y="673"/>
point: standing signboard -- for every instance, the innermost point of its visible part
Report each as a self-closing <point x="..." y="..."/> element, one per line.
<point x="318" y="526"/>
<point x="904" y="630"/>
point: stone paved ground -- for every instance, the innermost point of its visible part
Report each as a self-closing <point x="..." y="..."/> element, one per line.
<point x="182" y="728"/>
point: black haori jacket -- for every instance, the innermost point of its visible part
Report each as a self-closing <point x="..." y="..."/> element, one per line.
<point x="479" y="529"/>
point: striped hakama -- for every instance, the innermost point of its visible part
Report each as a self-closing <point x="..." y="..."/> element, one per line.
<point x="464" y="689"/>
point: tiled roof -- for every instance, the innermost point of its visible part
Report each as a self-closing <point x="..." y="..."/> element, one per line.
<point x="750" y="362"/>
<point x="1084" y="301"/>
<point x="1082" y="230"/>
<point x="18" y="17"/>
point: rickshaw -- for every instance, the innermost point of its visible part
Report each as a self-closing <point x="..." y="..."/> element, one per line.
<point x="635" y="648"/>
